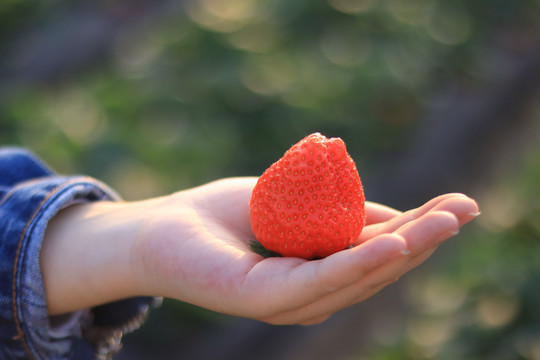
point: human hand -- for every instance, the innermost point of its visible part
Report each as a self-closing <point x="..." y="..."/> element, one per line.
<point x="194" y="246"/>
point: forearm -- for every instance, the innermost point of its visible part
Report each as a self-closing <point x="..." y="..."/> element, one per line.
<point x="87" y="258"/>
<point x="83" y="252"/>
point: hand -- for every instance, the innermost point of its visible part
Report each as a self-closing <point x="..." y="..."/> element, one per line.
<point x="194" y="246"/>
<point x="196" y="249"/>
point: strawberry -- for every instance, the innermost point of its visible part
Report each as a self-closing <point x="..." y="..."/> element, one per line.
<point x="310" y="203"/>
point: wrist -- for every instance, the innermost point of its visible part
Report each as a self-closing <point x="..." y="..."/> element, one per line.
<point x="86" y="257"/>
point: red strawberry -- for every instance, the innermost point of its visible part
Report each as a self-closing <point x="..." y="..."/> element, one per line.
<point x="310" y="203"/>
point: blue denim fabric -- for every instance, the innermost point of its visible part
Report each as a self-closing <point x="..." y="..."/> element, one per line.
<point x="30" y="195"/>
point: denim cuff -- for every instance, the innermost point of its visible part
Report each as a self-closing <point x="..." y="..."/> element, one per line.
<point x="26" y="330"/>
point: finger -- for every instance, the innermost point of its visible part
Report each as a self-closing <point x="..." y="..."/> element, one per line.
<point x="394" y="223"/>
<point x="465" y="209"/>
<point x="342" y="298"/>
<point x="325" y="295"/>
<point x="355" y="263"/>
<point x="322" y="317"/>
<point x="421" y="235"/>
<point x="305" y="282"/>
<point x="377" y="213"/>
<point x="428" y="231"/>
<point x="315" y="321"/>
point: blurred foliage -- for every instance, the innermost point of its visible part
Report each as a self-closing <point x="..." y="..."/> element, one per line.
<point x="481" y="301"/>
<point x="226" y="86"/>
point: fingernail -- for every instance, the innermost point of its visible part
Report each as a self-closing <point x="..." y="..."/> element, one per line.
<point x="474" y="214"/>
<point x="405" y="252"/>
<point x="454" y="233"/>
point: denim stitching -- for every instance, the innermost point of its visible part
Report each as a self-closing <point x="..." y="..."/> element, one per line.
<point x="20" y="333"/>
<point x="18" y="187"/>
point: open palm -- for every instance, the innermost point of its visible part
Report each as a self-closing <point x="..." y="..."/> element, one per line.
<point x="195" y="248"/>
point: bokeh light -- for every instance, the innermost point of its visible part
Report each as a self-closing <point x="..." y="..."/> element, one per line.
<point x="176" y="95"/>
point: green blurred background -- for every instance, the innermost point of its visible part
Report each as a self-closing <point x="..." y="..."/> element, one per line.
<point x="430" y="96"/>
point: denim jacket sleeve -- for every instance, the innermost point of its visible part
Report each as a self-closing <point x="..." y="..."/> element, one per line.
<point x="30" y="195"/>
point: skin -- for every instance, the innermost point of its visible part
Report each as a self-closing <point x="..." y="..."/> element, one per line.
<point x="193" y="246"/>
